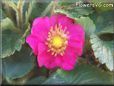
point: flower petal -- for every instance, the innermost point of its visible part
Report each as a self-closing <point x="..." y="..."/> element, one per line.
<point x="53" y="20"/>
<point x="61" y="19"/>
<point x="64" y="20"/>
<point x="76" y="31"/>
<point x="40" y="28"/>
<point x="76" y="38"/>
<point x="45" y="58"/>
<point x="77" y="46"/>
<point x="32" y="41"/>
<point x="68" y="60"/>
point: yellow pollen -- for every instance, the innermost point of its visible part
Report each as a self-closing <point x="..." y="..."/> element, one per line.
<point x="57" y="40"/>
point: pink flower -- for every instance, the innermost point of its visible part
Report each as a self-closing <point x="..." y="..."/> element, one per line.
<point x="56" y="41"/>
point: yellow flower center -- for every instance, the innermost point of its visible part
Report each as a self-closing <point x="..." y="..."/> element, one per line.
<point x="57" y="40"/>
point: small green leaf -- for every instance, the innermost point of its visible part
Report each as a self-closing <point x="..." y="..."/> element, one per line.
<point x="29" y="11"/>
<point x="83" y="74"/>
<point x="19" y="64"/>
<point x="88" y="25"/>
<point x="103" y="50"/>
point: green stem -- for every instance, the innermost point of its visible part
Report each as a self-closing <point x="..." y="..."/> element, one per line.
<point x="28" y="12"/>
<point x="27" y="30"/>
<point x="47" y="9"/>
<point x="19" y="14"/>
<point x="54" y="6"/>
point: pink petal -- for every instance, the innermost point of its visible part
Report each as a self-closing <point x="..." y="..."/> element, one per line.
<point x="45" y="58"/>
<point x="76" y="32"/>
<point x="32" y="41"/>
<point x="66" y="66"/>
<point x="41" y="28"/>
<point x="53" y="20"/>
<point x="41" y="49"/>
<point x="77" y="46"/>
<point x="60" y="19"/>
<point x="39" y="20"/>
<point x="76" y="38"/>
<point x="64" y="20"/>
<point x="67" y="61"/>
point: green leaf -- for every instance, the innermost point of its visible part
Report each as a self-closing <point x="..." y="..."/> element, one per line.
<point x="72" y="10"/>
<point x="104" y="22"/>
<point x="0" y="79"/>
<point x="75" y="12"/>
<point x="29" y="11"/>
<point x="2" y="14"/>
<point x="7" y="23"/>
<point x="47" y="9"/>
<point x="0" y="66"/>
<point x="12" y="38"/>
<point x="83" y="74"/>
<point x="11" y="42"/>
<point x="36" y="81"/>
<point x="38" y="8"/>
<point x="18" y="65"/>
<point x="103" y="50"/>
<point x="108" y="29"/>
<point x="88" y="25"/>
<point x="11" y="4"/>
